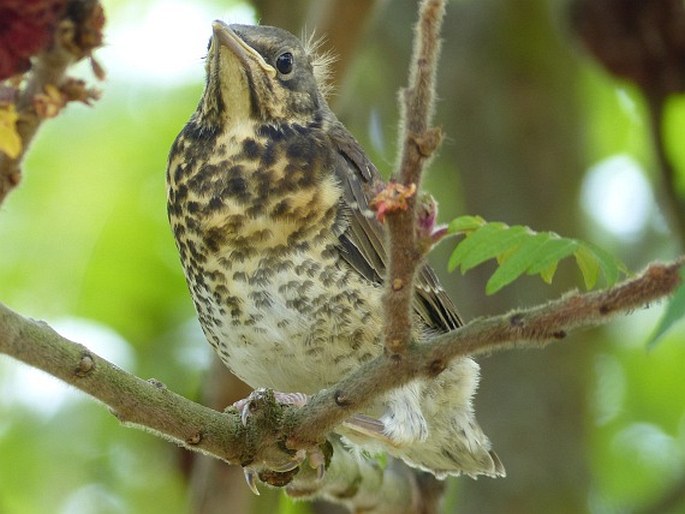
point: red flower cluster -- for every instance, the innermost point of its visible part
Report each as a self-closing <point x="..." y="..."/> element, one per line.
<point x="26" y="28"/>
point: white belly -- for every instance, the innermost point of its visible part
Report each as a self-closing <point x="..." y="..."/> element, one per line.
<point x="298" y="327"/>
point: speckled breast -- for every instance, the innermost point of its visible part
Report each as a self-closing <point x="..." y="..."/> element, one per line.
<point x="256" y="215"/>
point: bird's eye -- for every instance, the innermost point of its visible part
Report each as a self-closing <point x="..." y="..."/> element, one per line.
<point x="284" y="63"/>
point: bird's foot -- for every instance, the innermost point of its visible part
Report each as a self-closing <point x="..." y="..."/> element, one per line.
<point x="279" y="473"/>
<point x="247" y="405"/>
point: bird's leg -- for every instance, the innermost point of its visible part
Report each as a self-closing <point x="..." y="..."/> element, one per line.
<point x="316" y="458"/>
<point x="246" y="405"/>
<point x="358" y="423"/>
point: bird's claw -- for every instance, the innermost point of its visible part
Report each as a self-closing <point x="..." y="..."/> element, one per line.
<point x="251" y="479"/>
<point x="289" y="465"/>
<point x="317" y="460"/>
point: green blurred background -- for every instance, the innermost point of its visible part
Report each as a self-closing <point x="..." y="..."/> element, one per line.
<point x="537" y="133"/>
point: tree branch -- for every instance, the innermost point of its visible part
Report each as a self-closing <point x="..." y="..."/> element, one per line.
<point x="269" y="433"/>
<point x="150" y="406"/>
<point x="135" y="402"/>
<point x="528" y="328"/>
<point x="419" y="141"/>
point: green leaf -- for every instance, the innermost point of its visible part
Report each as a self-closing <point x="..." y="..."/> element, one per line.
<point x="547" y="274"/>
<point x="554" y="249"/>
<point x="519" y="250"/>
<point x="675" y="311"/>
<point x="517" y="264"/>
<point x="465" y="224"/>
<point x="588" y="264"/>
<point x="468" y="244"/>
<point x="486" y="243"/>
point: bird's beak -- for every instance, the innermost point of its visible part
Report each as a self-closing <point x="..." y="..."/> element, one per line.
<point x="227" y="38"/>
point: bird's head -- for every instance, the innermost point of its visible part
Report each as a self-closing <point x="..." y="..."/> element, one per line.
<point x="261" y="73"/>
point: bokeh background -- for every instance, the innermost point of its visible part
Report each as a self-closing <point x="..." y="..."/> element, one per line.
<point x="538" y="133"/>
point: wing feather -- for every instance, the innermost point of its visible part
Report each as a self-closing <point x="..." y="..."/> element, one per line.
<point x="363" y="241"/>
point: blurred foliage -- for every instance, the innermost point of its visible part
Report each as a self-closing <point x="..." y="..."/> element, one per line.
<point x="86" y="237"/>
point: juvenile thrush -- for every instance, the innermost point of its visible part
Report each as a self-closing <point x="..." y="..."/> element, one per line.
<point x="268" y="199"/>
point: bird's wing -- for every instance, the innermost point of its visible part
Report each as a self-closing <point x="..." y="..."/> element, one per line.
<point x="363" y="242"/>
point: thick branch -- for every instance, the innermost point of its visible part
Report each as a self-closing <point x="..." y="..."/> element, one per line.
<point x="419" y="141"/>
<point x="149" y="405"/>
<point x="136" y="402"/>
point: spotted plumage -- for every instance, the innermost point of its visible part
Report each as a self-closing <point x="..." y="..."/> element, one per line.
<point x="268" y="201"/>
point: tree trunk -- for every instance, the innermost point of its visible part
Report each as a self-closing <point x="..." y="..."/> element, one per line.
<point x="509" y="82"/>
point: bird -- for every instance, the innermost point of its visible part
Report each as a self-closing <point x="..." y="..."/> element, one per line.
<point x="268" y="200"/>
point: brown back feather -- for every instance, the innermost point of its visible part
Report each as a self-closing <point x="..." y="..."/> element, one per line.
<point x="363" y="241"/>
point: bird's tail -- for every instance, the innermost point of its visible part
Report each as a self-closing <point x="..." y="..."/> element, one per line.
<point x="431" y="426"/>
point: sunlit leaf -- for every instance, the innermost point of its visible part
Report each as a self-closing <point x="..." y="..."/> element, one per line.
<point x="588" y="264"/>
<point x="517" y="264"/>
<point x="465" y="224"/>
<point x="486" y="243"/>
<point x="519" y="250"/>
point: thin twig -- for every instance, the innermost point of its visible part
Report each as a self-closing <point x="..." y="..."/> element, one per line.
<point x="419" y="141"/>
